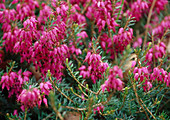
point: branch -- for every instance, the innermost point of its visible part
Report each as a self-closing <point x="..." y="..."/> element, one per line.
<point x="137" y="97"/>
<point x="78" y="81"/>
<point x="147" y="109"/>
<point x="61" y="91"/>
<point x="148" y="21"/>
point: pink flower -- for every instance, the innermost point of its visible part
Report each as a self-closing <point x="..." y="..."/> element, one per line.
<point x="113" y="82"/>
<point x="83" y="34"/>
<point x="143" y="75"/>
<point x="29" y="98"/>
<point x="98" y="109"/>
<point x="121" y="40"/>
<point x="14" y="81"/>
<point x="159" y="52"/>
<point x="159" y="30"/>
<point x="101" y="12"/>
<point x="160" y="75"/>
<point x="45" y="101"/>
<point x="15" y="112"/>
<point x="45" y="87"/>
<point x="95" y="67"/>
<point x="137" y="43"/>
<point x="159" y="5"/>
<point x="138" y="8"/>
<point x="147" y="86"/>
<point x="82" y="97"/>
<point x="133" y="64"/>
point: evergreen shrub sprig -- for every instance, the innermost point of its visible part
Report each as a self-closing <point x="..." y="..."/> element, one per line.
<point x="87" y="59"/>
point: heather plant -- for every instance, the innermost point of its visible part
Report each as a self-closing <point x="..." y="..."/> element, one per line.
<point x="84" y="59"/>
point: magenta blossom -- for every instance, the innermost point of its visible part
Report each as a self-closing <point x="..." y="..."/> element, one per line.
<point x="14" y="81"/>
<point x="114" y="80"/>
<point x="142" y="74"/>
<point x="95" y="67"/>
<point x="29" y="98"/>
<point x="156" y="52"/>
<point x="160" y="75"/>
<point x="98" y="109"/>
<point x="45" y="87"/>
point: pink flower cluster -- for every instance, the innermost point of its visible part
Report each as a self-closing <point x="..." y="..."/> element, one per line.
<point x="37" y="42"/>
<point x="45" y="88"/>
<point x="98" y="109"/>
<point x="114" y="80"/>
<point x="119" y="43"/>
<point x="22" y="40"/>
<point x="14" y="81"/>
<point x="122" y="39"/>
<point x="137" y="9"/>
<point x="101" y="12"/>
<point x="29" y="98"/>
<point x="143" y="75"/>
<point x="44" y="13"/>
<point x="160" y="75"/>
<point x="159" y="30"/>
<point x="159" y="4"/>
<point x="25" y="8"/>
<point x="78" y="1"/>
<point x="33" y="96"/>
<point x="137" y="43"/>
<point x="6" y="18"/>
<point x="25" y="38"/>
<point x="156" y="52"/>
<point x="95" y="67"/>
<point x="74" y="16"/>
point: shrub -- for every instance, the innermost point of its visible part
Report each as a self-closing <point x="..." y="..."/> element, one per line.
<point x="90" y="59"/>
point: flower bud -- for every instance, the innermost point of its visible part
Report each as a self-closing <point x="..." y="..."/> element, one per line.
<point x="48" y="73"/>
<point x="67" y="61"/>
<point x="126" y="90"/>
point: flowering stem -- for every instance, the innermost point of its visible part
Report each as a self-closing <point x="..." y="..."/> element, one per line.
<point x="158" y="91"/>
<point x="85" y="8"/>
<point x="60" y="91"/>
<point x="167" y="30"/>
<point x="96" y="105"/>
<point x="113" y="7"/>
<point x="98" y="91"/>
<point x="110" y="35"/>
<point x="152" y="90"/>
<point x="97" y="41"/>
<point x="77" y="94"/>
<point x="82" y="91"/>
<point x="108" y="99"/>
<point x="164" y="104"/>
<point x="78" y="81"/>
<point x="148" y="20"/>
<point x="167" y="68"/>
